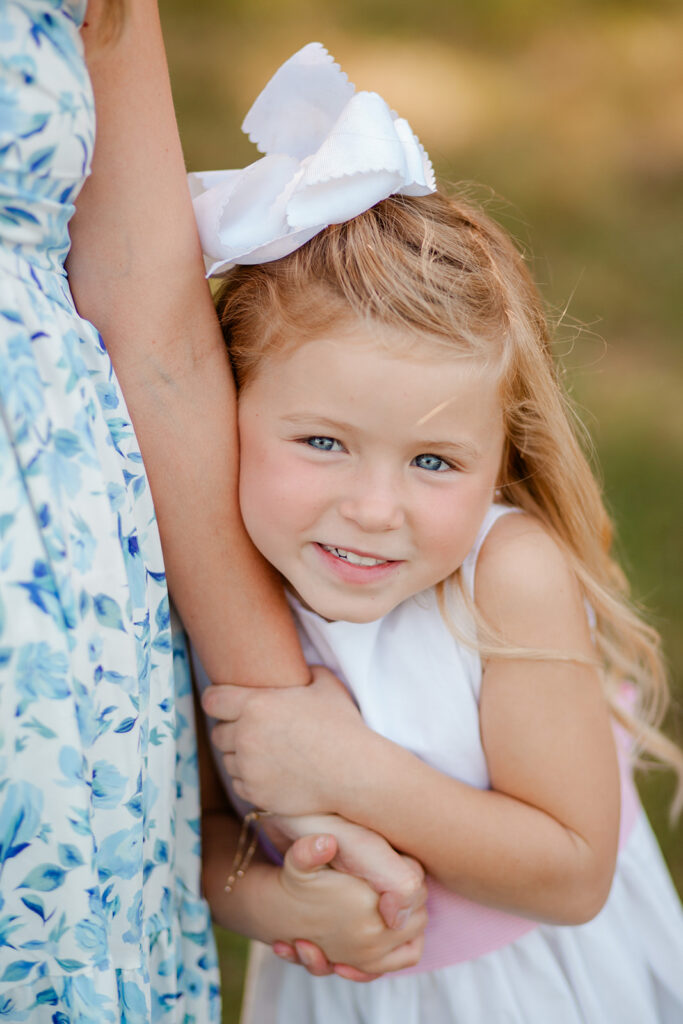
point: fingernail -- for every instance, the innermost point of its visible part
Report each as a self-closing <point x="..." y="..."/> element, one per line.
<point x="304" y="954"/>
<point x="321" y="844"/>
<point x="284" y="952"/>
<point x="402" y="918"/>
<point x="349" y="973"/>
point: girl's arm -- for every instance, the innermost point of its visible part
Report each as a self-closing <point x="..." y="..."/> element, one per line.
<point x="135" y="270"/>
<point x="543" y="840"/>
<point x="306" y="911"/>
<point x="305" y="903"/>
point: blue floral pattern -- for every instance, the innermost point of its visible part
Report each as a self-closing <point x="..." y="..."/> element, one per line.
<point x="101" y="917"/>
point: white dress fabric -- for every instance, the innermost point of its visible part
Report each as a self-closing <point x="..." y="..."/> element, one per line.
<point x="416" y="685"/>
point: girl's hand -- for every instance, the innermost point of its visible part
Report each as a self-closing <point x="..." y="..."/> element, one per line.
<point x="339" y="917"/>
<point x="397" y="879"/>
<point x="310" y="914"/>
<point x="278" y="744"/>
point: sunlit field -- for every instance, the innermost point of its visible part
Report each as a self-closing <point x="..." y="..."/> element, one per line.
<point x="566" y="121"/>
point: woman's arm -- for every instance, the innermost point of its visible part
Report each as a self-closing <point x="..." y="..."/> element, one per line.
<point x="136" y="272"/>
<point x="542" y="841"/>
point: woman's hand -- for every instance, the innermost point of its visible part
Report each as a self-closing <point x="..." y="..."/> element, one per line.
<point x="397" y="879"/>
<point x="284" y="747"/>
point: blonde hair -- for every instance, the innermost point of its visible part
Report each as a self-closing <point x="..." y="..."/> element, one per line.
<point x="440" y="269"/>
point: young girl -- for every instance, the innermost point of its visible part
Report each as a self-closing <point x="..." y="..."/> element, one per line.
<point x="409" y="466"/>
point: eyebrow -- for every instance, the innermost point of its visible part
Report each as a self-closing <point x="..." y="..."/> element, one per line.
<point x="466" y="448"/>
<point x="463" y="447"/>
<point x="304" y="419"/>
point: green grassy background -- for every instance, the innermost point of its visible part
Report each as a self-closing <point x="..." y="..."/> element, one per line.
<point x="571" y="115"/>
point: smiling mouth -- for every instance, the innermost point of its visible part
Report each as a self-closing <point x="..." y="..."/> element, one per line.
<point x="353" y="558"/>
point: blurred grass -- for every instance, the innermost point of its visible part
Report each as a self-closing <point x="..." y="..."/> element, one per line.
<point x="232" y="953"/>
<point x="573" y="114"/>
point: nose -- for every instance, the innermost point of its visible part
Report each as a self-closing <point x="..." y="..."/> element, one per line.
<point x="373" y="502"/>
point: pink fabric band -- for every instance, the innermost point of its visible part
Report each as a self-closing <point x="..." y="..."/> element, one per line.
<point x="460" y="930"/>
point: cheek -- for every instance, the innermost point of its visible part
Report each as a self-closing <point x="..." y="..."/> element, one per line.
<point x="451" y="523"/>
<point x="257" y="483"/>
<point x="278" y="493"/>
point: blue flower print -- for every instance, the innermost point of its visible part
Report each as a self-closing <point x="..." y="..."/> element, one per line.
<point x="73" y="766"/>
<point x="108" y="784"/>
<point x="88" y="1006"/>
<point x="41" y="672"/>
<point x="134" y="915"/>
<point x="133" y="1004"/>
<point x="83" y="544"/>
<point x="120" y="854"/>
<point x="20" y="814"/>
<point x="91" y="936"/>
<point x="20" y="384"/>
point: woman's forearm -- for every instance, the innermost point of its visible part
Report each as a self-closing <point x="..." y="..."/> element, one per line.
<point x="135" y="270"/>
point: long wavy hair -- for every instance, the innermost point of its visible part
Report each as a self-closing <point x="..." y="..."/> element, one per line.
<point x="440" y="270"/>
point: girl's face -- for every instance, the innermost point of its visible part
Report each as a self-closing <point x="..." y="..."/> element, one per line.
<point x="365" y="476"/>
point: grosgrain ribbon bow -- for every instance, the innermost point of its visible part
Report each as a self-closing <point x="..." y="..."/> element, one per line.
<point x="330" y="154"/>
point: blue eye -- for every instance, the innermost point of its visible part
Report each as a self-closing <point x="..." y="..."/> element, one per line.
<point x="432" y="463"/>
<point x="324" y="444"/>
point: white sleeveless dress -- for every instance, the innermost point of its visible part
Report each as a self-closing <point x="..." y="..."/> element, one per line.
<point x="417" y="686"/>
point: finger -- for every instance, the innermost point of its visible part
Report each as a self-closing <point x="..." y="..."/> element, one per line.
<point x="370" y="857"/>
<point x="353" y="974"/>
<point x="310" y="853"/>
<point x="225" y="701"/>
<point x="238" y="788"/>
<point x="414" y="866"/>
<point x="231" y="767"/>
<point x="285" y="952"/>
<point x="396" y="908"/>
<point x="312" y="958"/>
<point x="406" y="955"/>
<point x="406" y="894"/>
<point x="408" y="923"/>
<point x="414" y="926"/>
<point x="223" y="737"/>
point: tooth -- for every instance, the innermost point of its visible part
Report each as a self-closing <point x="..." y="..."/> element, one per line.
<point x="350" y="556"/>
<point x="360" y="560"/>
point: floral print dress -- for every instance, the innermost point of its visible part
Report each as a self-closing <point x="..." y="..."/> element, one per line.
<point x="101" y="918"/>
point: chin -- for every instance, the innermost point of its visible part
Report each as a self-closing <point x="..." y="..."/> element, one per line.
<point x="350" y="612"/>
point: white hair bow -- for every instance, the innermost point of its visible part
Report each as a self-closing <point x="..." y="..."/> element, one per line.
<point x="331" y="153"/>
